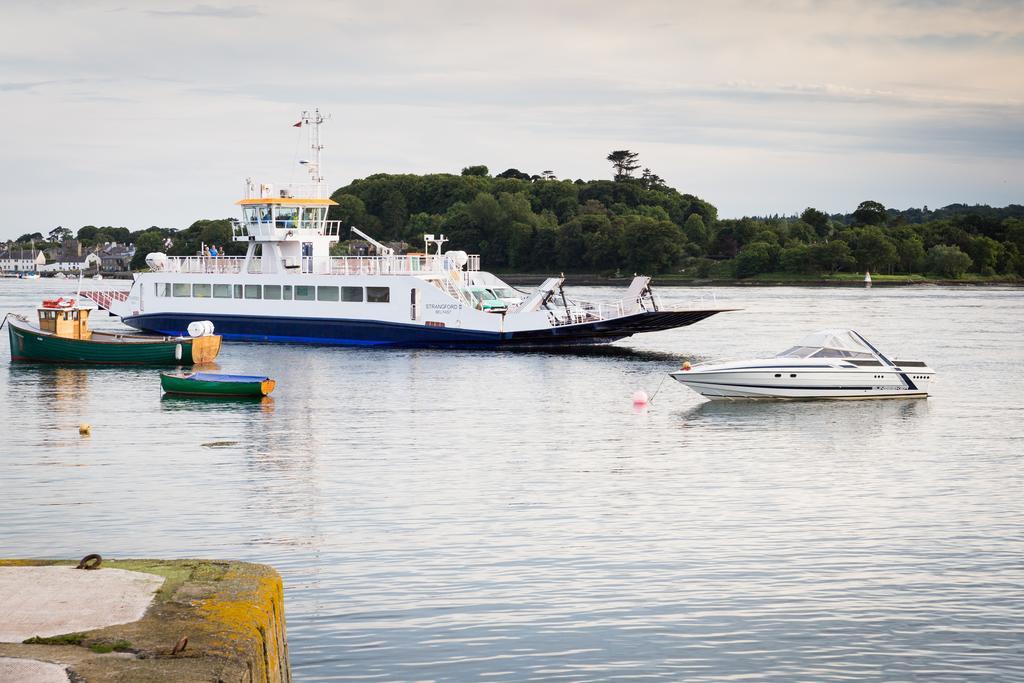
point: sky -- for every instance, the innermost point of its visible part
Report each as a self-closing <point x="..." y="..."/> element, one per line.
<point x="154" y="112"/>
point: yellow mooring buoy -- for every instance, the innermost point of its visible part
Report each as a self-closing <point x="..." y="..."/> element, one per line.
<point x="84" y="429"/>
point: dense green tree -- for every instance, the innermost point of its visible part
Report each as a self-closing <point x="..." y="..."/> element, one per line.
<point x="831" y="257"/>
<point x="948" y="261"/>
<point x="871" y="248"/>
<point x="910" y="252"/>
<point x="869" y="213"/>
<point x="796" y="259"/>
<point x="87" y="233"/>
<point x="393" y="214"/>
<point x="799" y="231"/>
<point x="476" y="170"/>
<point x="624" y="162"/>
<point x="604" y="242"/>
<point x="59" y="234"/>
<point x="695" y="230"/>
<point x="513" y="173"/>
<point x="652" y="181"/>
<point x="985" y="253"/>
<point x="818" y="220"/>
<point x="650" y="245"/>
<point x="351" y="211"/>
<point x="29" y="236"/>
<point x="147" y="243"/>
<point x="754" y="258"/>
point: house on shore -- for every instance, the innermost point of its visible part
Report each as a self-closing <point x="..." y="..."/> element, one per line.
<point x="18" y="260"/>
<point x="71" y="257"/>
<point x="116" y="258"/>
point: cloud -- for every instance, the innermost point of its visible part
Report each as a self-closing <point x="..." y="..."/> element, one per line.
<point x="25" y="85"/>
<point x="234" y="12"/>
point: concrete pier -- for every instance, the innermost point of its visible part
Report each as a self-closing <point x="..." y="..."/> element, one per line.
<point x="142" y="620"/>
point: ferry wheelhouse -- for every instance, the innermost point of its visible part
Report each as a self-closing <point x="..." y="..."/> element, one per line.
<point x="289" y="288"/>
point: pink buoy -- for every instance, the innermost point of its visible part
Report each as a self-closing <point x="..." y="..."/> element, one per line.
<point x="640" y="397"/>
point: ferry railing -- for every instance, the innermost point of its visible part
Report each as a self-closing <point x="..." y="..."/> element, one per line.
<point x="284" y="229"/>
<point x="404" y="264"/>
<point x="205" y="264"/>
<point x="399" y="264"/>
<point x="591" y="311"/>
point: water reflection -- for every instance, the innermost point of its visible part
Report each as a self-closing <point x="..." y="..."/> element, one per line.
<point x="214" y="404"/>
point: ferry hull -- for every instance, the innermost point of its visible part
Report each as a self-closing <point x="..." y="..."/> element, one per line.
<point x="354" y="332"/>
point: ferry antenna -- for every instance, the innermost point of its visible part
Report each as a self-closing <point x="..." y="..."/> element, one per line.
<point x="313" y="120"/>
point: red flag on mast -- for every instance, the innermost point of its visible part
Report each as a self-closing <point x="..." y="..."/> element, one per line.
<point x="297" y="125"/>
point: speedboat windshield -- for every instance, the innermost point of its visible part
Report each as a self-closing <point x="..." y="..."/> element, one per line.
<point x="829" y="344"/>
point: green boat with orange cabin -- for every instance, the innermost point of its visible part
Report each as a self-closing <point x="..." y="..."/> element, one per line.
<point x="63" y="336"/>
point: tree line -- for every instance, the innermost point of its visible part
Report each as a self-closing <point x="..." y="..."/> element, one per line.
<point x="635" y="222"/>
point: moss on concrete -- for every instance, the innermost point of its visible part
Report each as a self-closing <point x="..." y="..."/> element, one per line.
<point x="231" y="612"/>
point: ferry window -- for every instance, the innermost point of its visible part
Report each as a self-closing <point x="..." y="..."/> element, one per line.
<point x="252" y="214"/>
<point x="351" y="293"/>
<point x="238" y="291"/>
<point x="163" y="289"/>
<point x="286" y="216"/>
<point x="286" y="292"/>
<point x="264" y="212"/>
<point x="326" y="293"/>
<point x="201" y="291"/>
<point x="304" y="293"/>
<point x="252" y="292"/>
<point x="310" y="217"/>
<point x="378" y="295"/>
<point x="182" y="289"/>
<point x="222" y="291"/>
<point x="271" y="291"/>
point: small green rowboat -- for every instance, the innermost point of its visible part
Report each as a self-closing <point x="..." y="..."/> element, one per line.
<point x="214" y="384"/>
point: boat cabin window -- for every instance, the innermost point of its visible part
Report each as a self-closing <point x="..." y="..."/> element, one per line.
<point x="238" y="291"/>
<point x="287" y="216"/>
<point x="252" y="214"/>
<point x="326" y="293"/>
<point x="505" y="293"/>
<point x="222" y="291"/>
<point x="378" y="295"/>
<point x="352" y="294"/>
<point x="286" y="292"/>
<point x="252" y="292"/>
<point x="304" y="293"/>
<point x="201" y="291"/>
<point x="822" y="352"/>
<point x="182" y="289"/>
<point x="272" y="292"/>
<point x="840" y="353"/>
<point x="163" y="289"/>
<point x="312" y="216"/>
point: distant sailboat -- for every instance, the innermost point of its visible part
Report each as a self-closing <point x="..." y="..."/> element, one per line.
<point x="867" y="279"/>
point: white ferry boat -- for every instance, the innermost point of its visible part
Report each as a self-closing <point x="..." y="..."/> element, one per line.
<point x="288" y="288"/>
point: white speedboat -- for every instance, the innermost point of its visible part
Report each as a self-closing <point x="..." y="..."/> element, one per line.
<point x="835" y="364"/>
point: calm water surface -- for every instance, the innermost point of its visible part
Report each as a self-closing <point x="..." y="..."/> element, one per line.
<point x="508" y="516"/>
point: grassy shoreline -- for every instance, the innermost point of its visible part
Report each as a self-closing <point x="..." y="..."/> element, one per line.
<point x="772" y="280"/>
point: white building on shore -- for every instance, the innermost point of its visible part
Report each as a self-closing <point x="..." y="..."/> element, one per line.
<point x="18" y="260"/>
<point x="72" y="262"/>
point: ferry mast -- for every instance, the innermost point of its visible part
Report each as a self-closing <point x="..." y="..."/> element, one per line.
<point x="313" y="120"/>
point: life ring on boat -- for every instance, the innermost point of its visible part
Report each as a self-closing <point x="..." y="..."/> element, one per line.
<point x="58" y="303"/>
